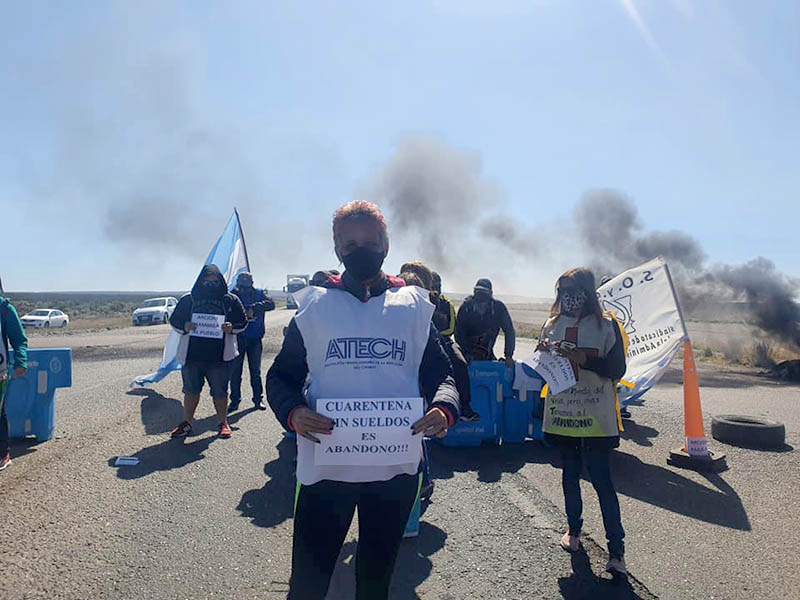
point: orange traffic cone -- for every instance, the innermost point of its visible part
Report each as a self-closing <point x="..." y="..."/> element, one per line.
<point x="695" y="453"/>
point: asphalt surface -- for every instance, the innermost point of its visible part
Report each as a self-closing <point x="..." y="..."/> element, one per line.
<point x="211" y="518"/>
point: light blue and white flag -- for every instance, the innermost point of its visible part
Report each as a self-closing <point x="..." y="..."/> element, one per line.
<point x="230" y="255"/>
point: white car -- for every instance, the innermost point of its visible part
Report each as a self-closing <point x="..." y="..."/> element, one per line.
<point x="154" y="310"/>
<point x="45" y="318"/>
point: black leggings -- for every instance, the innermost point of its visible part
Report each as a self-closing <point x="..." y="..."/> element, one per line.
<point x="323" y="514"/>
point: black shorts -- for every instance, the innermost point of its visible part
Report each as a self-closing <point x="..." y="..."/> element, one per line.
<point x="216" y="373"/>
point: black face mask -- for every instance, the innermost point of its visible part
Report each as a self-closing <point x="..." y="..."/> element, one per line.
<point x="363" y="264"/>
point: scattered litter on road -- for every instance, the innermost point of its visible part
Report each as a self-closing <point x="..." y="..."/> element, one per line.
<point x="126" y="461"/>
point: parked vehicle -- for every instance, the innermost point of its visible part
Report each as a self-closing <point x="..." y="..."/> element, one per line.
<point x="45" y="318"/>
<point x="294" y="283"/>
<point x="154" y="311"/>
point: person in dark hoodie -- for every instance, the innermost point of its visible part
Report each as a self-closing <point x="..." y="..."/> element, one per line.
<point x="206" y="352"/>
<point x="11" y="332"/>
<point x="256" y="302"/>
<point x="362" y="305"/>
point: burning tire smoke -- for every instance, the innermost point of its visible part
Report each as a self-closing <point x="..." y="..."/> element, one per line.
<point x="609" y="226"/>
<point x="441" y="202"/>
<point x="438" y="197"/>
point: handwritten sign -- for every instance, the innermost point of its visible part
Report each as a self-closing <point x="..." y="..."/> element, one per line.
<point x="208" y="326"/>
<point x="556" y="370"/>
<point x="370" y="431"/>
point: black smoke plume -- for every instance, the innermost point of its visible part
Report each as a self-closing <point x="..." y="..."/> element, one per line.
<point x="439" y="199"/>
<point x="614" y="239"/>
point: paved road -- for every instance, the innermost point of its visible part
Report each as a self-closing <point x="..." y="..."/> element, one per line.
<point x="690" y="535"/>
<point x="211" y="518"/>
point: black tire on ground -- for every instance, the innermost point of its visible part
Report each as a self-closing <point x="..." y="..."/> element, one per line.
<point x="63" y="324"/>
<point x="47" y="325"/>
<point x="166" y="319"/>
<point x="744" y="430"/>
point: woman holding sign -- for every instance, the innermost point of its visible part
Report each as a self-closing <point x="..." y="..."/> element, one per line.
<point x="360" y="378"/>
<point x="582" y="420"/>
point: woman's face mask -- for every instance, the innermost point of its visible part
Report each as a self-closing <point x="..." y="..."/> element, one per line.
<point x="572" y="301"/>
<point x="363" y="263"/>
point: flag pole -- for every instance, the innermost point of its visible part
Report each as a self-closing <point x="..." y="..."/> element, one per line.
<point x="241" y="232"/>
<point x="675" y="296"/>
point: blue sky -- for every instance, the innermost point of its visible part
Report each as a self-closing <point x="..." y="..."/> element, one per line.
<point x="130" y="130"/>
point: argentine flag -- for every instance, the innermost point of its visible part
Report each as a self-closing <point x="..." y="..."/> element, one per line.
<point x="230" y="255"/>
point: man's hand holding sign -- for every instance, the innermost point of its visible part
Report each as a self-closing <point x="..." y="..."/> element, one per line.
<point x="207" y="326"/>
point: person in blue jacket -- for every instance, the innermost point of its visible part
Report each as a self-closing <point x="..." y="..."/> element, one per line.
<point x="256" y="302"/>
<point x="12" y="333"/>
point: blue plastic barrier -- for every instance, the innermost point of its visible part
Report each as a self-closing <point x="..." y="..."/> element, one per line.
<point x="30" y="399"/>
<point x="489" y="386"/>
<point x="522" y="417"/>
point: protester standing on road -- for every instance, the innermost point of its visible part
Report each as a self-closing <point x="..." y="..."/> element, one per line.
<point x="479" y="321"/>
<point x="578" y="330"/>
<point x="11" y="332"/>
<point x="207" y="357"/>
<point x="360" y="304"/>
<point x="256" y="302"/>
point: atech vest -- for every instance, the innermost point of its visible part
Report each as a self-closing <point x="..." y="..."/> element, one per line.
<point x="357" y="349"/>
<point x="588" y="409"/>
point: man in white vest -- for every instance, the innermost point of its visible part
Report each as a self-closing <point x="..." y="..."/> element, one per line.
<point x="366" y="338"/>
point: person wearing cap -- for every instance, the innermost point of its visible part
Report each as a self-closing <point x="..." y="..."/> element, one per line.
<point x="256" y="302"/>
<point x="478" y="323"/>
<point x="336" y="348"/>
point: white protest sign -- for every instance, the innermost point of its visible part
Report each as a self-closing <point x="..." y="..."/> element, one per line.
<point x="556" y="370"/>
<point x="644" y="302"/>
<point x="208" y="326"/>
<point x="370" y="432"/>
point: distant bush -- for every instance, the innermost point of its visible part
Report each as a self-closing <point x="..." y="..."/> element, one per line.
<point x="763" y="355"/>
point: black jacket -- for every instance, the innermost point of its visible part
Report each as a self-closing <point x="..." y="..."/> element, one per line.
<point x="476" y="333"/>
<point x="218" y="302"/>
<point x="287" y="375"/>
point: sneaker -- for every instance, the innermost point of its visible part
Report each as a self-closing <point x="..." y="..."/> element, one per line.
<point x="426" y="492"/>
<point x="625" y="413"/>
<point x="5" y="461"/>
<point x="616" y="566"/>
<point x="470" y="415"/>
<point x="225" y="430"/>
<point x="259" y="405"/>
<point x="571" y="543"/>
<point x="182" y="430"/>
<point x="233" y="407"/>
